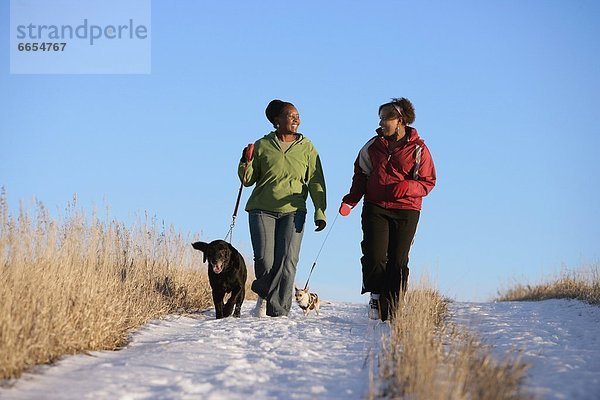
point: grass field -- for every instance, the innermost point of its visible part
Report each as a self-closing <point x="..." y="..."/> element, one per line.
<point x="426" y="357"/>
<point x="77" y="283"/>
<point x="582" y="284"/>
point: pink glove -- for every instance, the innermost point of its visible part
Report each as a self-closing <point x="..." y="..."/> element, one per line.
<point x="345" y="209"/>
<point x="400" y="190"/>
<point x="248" y="153"/>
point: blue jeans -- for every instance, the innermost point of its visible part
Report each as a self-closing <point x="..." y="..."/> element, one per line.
<point x="276" y="239"/>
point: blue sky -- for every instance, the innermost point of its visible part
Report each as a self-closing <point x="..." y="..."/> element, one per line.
<point x="506" y="94"/>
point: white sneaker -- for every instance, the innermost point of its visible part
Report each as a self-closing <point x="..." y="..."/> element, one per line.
<point x="260" y="310"/>
<point x="374" y="311"/>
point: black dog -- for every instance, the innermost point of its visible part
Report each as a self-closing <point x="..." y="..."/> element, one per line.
<point x="226" y="274"/>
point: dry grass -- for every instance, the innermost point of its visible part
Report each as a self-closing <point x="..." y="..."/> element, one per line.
<point x="581" y="284"/>
<point x="428" y="358"/>
<point x="78" y="284"/>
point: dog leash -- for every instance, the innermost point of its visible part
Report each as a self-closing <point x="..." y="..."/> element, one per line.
<point x="234" y="216"/>
<point x="321" y="249"/>
<point x="237" y="205"/>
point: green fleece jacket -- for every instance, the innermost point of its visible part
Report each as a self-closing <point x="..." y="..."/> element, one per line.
<point x="284" y="179"/>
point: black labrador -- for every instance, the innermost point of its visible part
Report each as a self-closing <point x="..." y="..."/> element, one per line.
<point x="226" y="273"/>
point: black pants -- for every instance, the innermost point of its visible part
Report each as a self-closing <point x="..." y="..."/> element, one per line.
<point x="387" y="237"/>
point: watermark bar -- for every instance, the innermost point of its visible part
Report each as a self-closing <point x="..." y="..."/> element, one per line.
<point x="80" y="37"/>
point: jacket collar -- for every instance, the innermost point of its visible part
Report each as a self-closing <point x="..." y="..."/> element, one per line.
<point x="411" y="136"/>
<point x="272" y="136"/>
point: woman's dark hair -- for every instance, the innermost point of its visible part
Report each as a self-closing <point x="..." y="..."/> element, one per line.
<point x="274" y="109"/>
<point x="404" y="106"/>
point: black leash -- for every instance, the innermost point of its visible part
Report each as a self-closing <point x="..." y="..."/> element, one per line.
<point x="235" y="210"/>
<point x="319" y="253"/>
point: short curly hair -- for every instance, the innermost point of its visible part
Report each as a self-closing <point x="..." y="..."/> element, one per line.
<point x="405" y="106"/>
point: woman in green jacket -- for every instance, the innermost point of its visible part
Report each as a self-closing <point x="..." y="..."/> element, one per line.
<point x="285" y="168"/>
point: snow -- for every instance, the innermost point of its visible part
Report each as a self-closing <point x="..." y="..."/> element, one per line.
<point x="321" y="357"/>
<point x="559" y="338"/>
<point x="295" y="357"/>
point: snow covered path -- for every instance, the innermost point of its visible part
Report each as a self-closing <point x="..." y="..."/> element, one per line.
<point x="325" y="357"/>
<point x="294" y="357"/>
<point x="559" y="338"/>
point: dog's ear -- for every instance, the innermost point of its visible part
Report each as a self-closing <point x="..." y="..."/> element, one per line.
<point x="202" y="246"/>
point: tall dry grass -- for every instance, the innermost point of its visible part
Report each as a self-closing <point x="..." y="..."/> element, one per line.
<point x="77" y="283"/>
<point x="581" y="284"/>
<point x="425" y="357"/>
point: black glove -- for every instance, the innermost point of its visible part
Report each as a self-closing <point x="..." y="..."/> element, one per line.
<point x="320" y="225"/>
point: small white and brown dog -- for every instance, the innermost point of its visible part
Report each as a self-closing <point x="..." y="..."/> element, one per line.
<point x="307" y="301"/>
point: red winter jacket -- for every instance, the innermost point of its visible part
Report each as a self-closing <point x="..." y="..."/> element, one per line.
<point x="377" y="171"/>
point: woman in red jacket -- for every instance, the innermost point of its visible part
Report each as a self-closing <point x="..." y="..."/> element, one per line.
<point x="393" y="171"/>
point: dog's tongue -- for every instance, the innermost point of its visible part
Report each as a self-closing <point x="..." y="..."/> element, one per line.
<point x="217" y="269"/>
